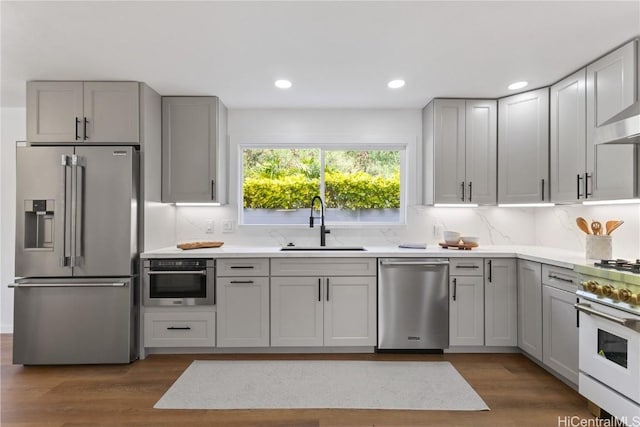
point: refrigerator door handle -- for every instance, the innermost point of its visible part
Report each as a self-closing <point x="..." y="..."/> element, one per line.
<point x="68" y="285"/>
<point x="77" y="210"/>
<point x="66" y="215"/>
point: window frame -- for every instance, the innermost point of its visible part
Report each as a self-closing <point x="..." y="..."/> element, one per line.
<point x="328" y="144"/>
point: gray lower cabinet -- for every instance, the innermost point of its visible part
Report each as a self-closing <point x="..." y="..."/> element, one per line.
<point x="242" y="301"/>
<point x="466" y="302"/>
<point x="530" y="308"/>
<point x="333" y="305"/>
<point x="559" y="322"/>
<point x="194" y="149"/>
<point x="612" y="85"/>
<point x="482" y="302"/>
<point x="500" y="302"/>
<point x="179" y="327"/>
<point x="83" y="112"/>
<point x="523" y="148"/>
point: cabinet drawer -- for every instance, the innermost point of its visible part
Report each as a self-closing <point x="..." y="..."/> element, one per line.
<point x="466" y="267"/>
<point x="179" y="329"/>
<point x="558" y="277"/>
<point x="242" y="267"/>
<point x="323" y="267"/>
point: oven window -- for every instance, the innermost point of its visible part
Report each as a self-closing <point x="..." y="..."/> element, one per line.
<point x="178" y="286"/>
<point x="612" y="347"/>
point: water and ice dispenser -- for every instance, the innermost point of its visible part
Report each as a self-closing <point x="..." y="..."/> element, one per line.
<point x="38" y="224"/>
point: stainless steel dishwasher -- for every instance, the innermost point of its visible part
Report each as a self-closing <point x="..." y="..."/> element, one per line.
<point x="413" y="304"/>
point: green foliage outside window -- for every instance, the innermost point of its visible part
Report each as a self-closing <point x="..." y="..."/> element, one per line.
<point x="289" y="178"/>
<point x="343" y="190"/>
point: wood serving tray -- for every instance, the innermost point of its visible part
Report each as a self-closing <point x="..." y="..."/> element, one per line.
<point x="462" y="246"/>
<point x="199" y="245"/>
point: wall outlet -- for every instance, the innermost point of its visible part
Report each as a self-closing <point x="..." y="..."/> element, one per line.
<point x="210" y="227"/>
<point x="227" y="226"/>
<point x="437" y="230"/>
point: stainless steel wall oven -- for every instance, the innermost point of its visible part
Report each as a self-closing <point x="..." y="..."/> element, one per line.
<point x="176" y="282"/>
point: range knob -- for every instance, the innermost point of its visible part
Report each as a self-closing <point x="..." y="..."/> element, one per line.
<point x="607" y="291"/>
<point x="594" y="287"/>
<point x="626" y="295"/>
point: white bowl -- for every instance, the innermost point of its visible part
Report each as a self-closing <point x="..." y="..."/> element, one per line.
<point x="451" y="237"/>
<point x="469" y="239"/>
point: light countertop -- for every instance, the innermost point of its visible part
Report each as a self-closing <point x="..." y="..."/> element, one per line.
<point x="552" y="256"/>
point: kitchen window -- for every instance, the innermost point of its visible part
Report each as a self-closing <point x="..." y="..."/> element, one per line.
<point x="359" y="185"/>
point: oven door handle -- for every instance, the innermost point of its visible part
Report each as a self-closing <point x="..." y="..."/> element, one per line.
<point x="202" y="272"/>
<point x="629" y="323"/>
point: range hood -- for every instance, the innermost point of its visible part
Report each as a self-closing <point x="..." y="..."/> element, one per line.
<point x="623" y="128"/>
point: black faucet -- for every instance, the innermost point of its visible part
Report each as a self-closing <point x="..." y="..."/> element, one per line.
<point x="323" y="229"/>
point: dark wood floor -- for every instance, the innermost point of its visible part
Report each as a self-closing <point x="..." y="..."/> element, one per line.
<point x="518" y="392"/>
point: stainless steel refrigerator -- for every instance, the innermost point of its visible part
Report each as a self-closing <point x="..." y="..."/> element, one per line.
<point x="75" y="297"/>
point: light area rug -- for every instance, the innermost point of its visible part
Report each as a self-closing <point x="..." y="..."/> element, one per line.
<point x="321" y="384"/>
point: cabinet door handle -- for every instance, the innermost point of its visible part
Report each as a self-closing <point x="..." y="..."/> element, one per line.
<point x="578" y="195"/>
<point x="462" y="186"/>
<point x="586" y="184"/>
<point x="577" y="313"/>
<point x="455" y="288"/>
<point x="327" y="289"/>
<point x="84" y="127"/>
<point x="178" y="328"/>
<point x="77" y="123"/>
<point x="319" y="289"/>
<point x="490" y="272"/>
<point x="542" y="186"/>
<point x="470" y="189"/>
<point x="213" y="189"/>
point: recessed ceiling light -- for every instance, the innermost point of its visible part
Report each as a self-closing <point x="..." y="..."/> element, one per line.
<point x="283" y="84"/>
<point x="517" y="85"/>
<point x="395" y="84"/>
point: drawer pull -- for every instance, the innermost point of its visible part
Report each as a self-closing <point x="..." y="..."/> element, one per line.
<point x="467" y="266"/>
<point x="553" y="276"/>
<point x="178" y="328"/>
<point x="244" y="267"/>
<point x="241" y="281"/>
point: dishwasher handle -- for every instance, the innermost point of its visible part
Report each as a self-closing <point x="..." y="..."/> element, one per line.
<point x="417" y="264"/>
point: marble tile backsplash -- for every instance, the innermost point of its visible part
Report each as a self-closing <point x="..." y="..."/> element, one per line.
<point x="553" y="227"/>
<point x="492" y="225"/>
<point x="556" y="227"/>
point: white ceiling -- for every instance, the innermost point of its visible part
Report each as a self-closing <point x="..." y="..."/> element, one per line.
<point x="337" y="54"/>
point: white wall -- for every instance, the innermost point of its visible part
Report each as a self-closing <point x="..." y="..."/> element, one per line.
<point x="13" y="129"/>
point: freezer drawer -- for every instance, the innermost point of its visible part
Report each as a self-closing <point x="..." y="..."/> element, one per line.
<point x="74" y="322"/>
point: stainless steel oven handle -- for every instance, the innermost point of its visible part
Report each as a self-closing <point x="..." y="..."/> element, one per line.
<point x="629" y="323"/>
<point x="202" y="272"/>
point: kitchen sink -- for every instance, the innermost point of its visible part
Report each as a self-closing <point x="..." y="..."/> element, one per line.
<point x="322" y="248"/>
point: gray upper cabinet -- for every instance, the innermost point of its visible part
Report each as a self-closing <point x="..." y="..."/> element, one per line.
<point x="567" y="138"/>
<point x="460" y="144"/>
<point x="194" y="154"/>
<point x="611" y="87"/>
<point x="523" y="147"/>
<point x="83" y="112"/>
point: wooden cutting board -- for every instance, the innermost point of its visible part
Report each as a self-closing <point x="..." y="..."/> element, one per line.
<point x="199" y="245"/>
<point x="464" y="246"/>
